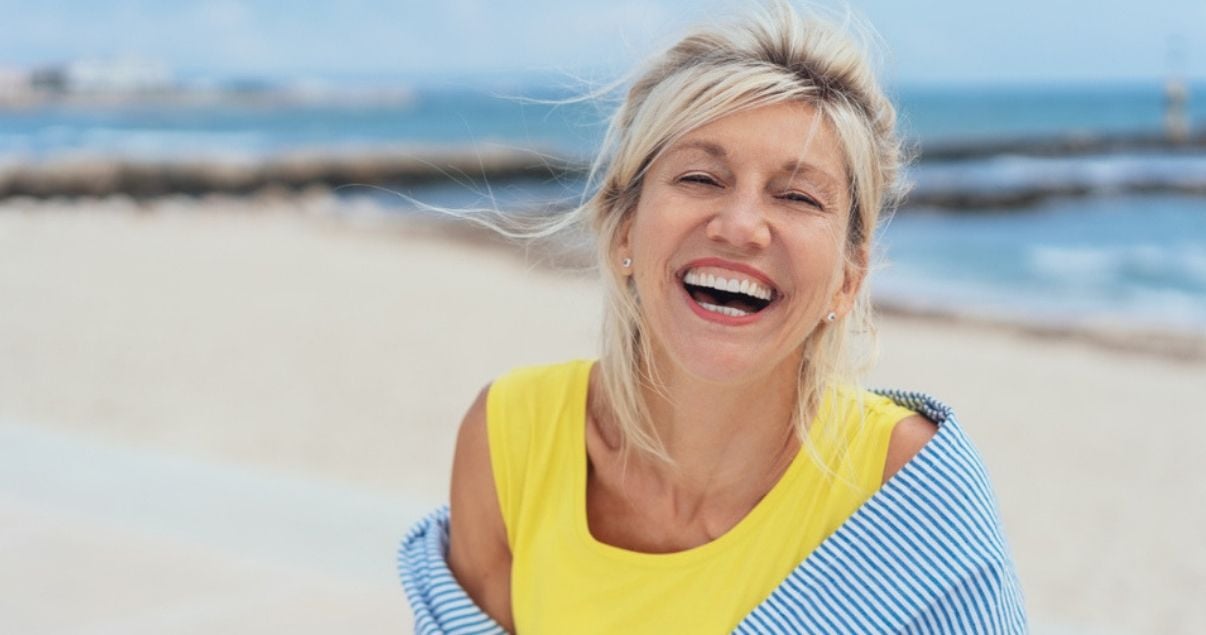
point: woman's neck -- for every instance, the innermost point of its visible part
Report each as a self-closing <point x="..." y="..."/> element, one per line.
<point x="730" y="442"/>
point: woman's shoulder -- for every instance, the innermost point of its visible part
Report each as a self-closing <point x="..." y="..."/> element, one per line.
<point x="893" y="423"/>
<point x="909" y="436"/>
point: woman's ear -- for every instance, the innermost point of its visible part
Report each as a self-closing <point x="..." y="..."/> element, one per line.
<point x="621" y="251"/>
<point x="854" y="273"/>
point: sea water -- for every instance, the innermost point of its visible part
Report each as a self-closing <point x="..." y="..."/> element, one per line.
<point x="522" y="117"/>
<point x="1126" y="259"/>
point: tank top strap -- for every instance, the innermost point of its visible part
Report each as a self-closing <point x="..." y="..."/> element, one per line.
<point x="530" y="412"/>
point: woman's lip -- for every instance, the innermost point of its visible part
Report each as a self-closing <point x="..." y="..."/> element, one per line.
<point x="721" y="263"/>
<point x="720" y="318"/>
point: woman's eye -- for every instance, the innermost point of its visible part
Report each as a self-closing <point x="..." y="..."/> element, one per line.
<point x="702" y="179"/>
<point x="802" y="198"/>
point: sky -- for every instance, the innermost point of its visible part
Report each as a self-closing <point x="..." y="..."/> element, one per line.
<point x="923" y="41"/>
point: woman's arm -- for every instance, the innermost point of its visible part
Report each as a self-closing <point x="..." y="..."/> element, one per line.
<point x="478" y="553"/>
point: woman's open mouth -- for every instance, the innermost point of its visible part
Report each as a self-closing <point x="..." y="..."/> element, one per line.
<point x="727" y="293"/>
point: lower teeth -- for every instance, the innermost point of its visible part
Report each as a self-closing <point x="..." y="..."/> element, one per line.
<point x="725" y="310"/>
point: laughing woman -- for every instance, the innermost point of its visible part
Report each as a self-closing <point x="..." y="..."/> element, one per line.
<point x="718" y="469"/>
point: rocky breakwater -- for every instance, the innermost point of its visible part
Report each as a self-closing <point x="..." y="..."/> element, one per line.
<point x="102" y="176"/>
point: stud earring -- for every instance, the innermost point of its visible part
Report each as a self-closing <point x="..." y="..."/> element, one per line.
<point x="831" y="317"/>
<point x="626" y="263"/>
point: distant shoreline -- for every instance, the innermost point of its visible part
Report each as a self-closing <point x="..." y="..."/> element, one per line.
<point x="1171" y="345"/>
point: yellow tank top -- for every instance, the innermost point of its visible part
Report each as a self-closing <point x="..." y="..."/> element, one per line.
<point x="565" y="581"/>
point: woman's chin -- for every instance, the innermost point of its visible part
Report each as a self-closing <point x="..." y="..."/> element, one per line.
<point x="737" y="367"/>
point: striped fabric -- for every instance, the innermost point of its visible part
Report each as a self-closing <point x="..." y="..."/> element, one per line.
<point x="925" y="554"/>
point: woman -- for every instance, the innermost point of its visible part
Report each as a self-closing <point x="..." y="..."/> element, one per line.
<point x="704" y="475"/>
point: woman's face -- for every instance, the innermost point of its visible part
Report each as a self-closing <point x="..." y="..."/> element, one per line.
<point x="756" y="204"/>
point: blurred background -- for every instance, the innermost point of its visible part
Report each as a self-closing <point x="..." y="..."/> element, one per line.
<point x="234" y="348"/>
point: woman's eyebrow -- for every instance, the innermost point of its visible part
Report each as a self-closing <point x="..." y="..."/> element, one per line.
<point x="809" y="171"/>
<point x="709" y="147"/>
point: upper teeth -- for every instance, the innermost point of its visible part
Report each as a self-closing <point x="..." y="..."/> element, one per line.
<point x="732" y="285"/>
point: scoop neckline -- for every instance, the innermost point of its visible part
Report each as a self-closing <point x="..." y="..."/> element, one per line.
<point x="742" y="530"/>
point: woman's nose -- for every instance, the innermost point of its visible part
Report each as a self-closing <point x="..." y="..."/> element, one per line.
<point x="741" y="222"/>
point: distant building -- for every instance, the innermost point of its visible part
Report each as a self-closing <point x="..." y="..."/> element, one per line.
<point x="12" y="80"/>
<point x="15" y="87"/>
<point x="91" y="78"/>
<point x="1176" y="113"/>
<point x="119" y="76"/>
<point x="48" y="80"/>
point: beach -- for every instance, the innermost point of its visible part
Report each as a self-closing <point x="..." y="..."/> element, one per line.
<point x="221" y="414"/>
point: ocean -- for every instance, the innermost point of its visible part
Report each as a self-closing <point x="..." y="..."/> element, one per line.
<point x="1131" y="253"/>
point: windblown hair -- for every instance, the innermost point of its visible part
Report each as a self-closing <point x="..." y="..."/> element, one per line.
<point x="775" y="56"/>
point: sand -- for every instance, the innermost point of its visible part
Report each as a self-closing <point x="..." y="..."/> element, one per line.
<point x="220" y="415"/>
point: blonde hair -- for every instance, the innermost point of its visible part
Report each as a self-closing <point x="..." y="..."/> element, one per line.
<point x="775" y="55"/>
